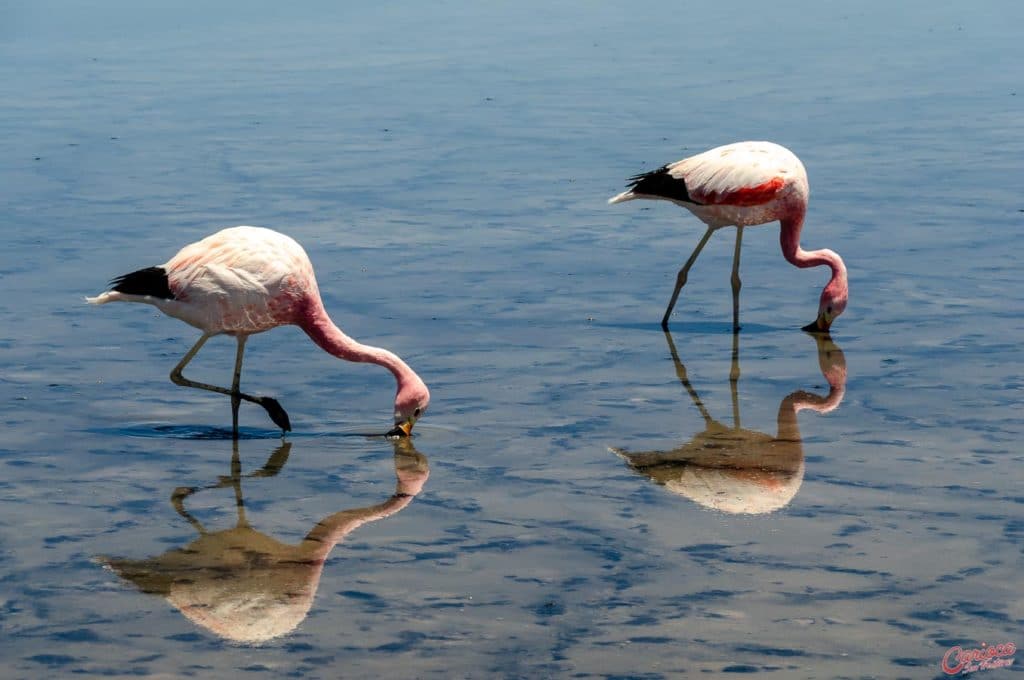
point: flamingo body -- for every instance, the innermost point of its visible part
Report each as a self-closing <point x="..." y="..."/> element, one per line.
<point x="239" y="280"/>
<point x="246" y="280"/>
<point x="744" y="184"/>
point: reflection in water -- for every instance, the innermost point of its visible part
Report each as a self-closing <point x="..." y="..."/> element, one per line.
<point x="733" y="469"/>
<point x="246" y="586"/>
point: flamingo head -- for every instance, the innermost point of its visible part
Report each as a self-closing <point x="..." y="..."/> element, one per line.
<point x="831" y="305"/>
<point x="411" y="401"/>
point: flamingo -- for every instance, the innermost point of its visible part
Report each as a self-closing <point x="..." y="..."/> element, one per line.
<point x="245" y="280"/>
<point x="248" y="586"/>
<point x="743" y="185"/>
<point x="734" y="469"/>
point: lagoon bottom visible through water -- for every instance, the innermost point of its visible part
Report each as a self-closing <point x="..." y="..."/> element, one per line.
<point x="587" y="496"/>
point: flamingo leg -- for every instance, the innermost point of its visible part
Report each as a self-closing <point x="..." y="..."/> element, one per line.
<point x="682" y="275"/>
<point x="736" y="283"/>
<point x="236" y="482"/>
<point x="734" y="380"/>
<point x="681" y="374"/>
<point x="235" y="383"/>
<point x="275" y="462"/>
<point x="178" y="502"/>
<point x="271" y="405"/>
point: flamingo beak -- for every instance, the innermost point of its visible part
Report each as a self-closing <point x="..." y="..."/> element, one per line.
<point x="401" y="429"/>
<point x="819" y="325"/>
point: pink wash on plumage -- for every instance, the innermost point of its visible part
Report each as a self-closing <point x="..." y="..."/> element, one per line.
<point x="246" y="280"/>
<point x="745" y="184"/>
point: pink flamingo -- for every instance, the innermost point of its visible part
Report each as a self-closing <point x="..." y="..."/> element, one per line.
<point x="742" y="185"/>
<point x="246" y="280"/>
<point x="247" y="586"/>
<point x="734" y="469"/>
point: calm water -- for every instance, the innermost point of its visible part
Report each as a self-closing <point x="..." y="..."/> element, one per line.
<point x="587" y="496"/>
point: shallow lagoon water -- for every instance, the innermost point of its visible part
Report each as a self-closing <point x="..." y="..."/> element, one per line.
<point x="447" y="170"/>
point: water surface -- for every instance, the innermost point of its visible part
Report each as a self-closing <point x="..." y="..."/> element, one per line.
<point x="446" y="167"/>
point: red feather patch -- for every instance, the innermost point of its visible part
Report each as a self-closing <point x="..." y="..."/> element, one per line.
<point x="744" y="196"/>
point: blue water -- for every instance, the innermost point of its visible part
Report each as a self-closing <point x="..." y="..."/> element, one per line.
<point x="446" y="165"/>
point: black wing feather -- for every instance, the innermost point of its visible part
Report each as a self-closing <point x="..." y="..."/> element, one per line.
<point x="149" y="281"/>
<point x="659" y="183"/>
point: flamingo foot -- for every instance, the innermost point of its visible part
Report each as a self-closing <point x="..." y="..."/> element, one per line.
<point x="814" y="327"/>
<point x="182" y="492"/>
<point x="276" y="412"/>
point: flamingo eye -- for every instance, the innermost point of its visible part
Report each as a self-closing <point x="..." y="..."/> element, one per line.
<point x="416" y="413"/>
<point x="829" y="309"/>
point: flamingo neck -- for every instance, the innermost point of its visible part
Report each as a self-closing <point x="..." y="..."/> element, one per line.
<point x="789" y="239"/>
<point x="321" y="330"/>
<point x="789" y="428"/>
<point x="835" y="374"/>
<point x="833" y="368"/>
<point x="801" y="400"/>
<point x="331" y="530"/>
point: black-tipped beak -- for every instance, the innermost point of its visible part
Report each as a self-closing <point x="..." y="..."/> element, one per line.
<point x="819" y="325"/>
<point x="401" y="430"/>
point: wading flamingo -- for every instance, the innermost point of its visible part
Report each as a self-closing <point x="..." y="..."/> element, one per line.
<point x="246" y="280"/>
<point x="248" y="586"/>
<point x="743" y="185"/>
<point x="734" y="469"/>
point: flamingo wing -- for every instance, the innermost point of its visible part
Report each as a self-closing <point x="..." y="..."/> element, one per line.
<point x="151" y="281"/>
<point x="241" y="261"/>
<point x="743" y="175"/>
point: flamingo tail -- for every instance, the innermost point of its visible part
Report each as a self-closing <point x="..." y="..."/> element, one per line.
<point x="624" y="196"/>
<point x="149" y="282"/>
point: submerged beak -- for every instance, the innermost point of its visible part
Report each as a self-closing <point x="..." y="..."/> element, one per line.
<point x="819" y="325"/>
<point x="401" y="429"/>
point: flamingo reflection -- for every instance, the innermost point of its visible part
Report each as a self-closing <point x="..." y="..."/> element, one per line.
<point x="246" y="586"/>
<point x="733" y="469"/>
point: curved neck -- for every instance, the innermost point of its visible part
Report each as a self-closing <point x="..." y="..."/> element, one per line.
<point x="789" y="239"/>
<point x="832" y="363"/>
<point x="321" y="330"/>
<point x="331" y="530"/>
<point x="801" y="399"/>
